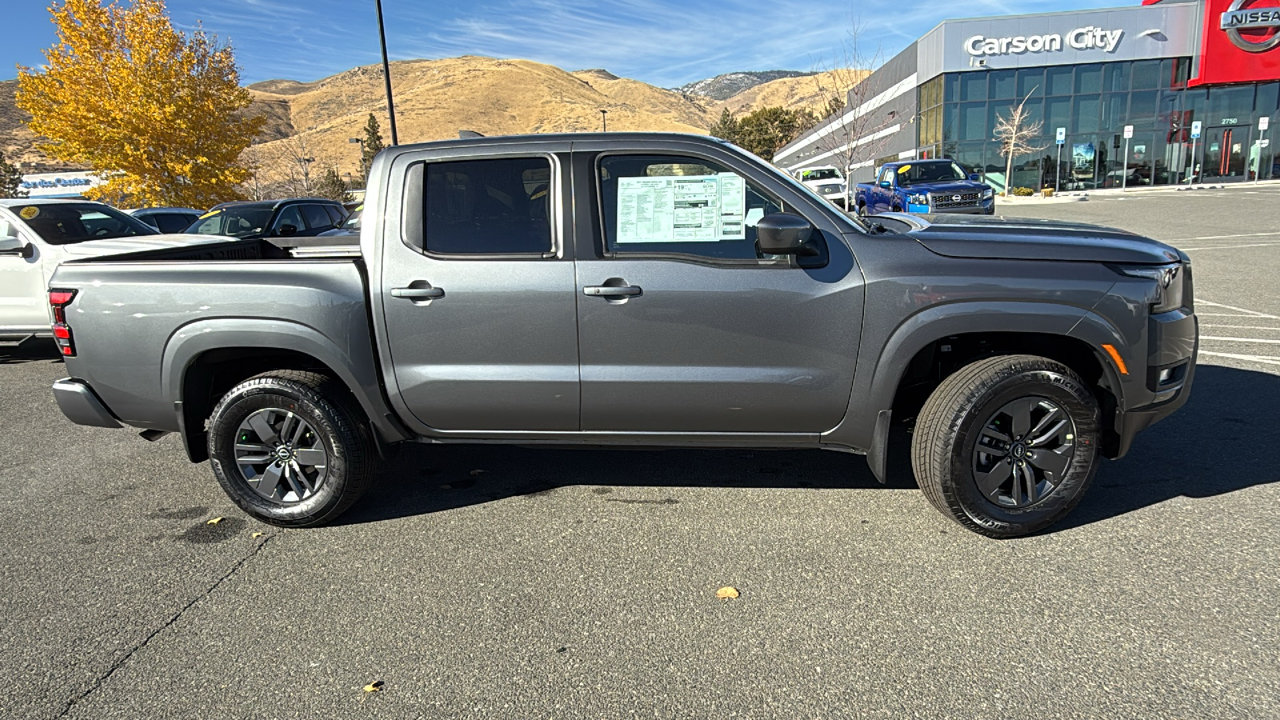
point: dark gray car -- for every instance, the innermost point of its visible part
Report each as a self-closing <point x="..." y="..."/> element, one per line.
<point x="639" y="290"/>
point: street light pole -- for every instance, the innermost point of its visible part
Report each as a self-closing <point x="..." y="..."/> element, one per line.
<point x="604" y="121"/>
<point x="386" y="74"/>
<point x="360" y="142"/>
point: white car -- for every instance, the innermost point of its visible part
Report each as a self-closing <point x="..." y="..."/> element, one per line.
<point x="825" y="180"/>
<point x="36" y="235"/>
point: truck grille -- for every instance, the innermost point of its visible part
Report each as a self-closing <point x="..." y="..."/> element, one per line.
<point x="952" y="201"/>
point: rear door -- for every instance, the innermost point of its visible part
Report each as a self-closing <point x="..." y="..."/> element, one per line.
<point x="478" y="292"/>
<point x="683" y="325"/>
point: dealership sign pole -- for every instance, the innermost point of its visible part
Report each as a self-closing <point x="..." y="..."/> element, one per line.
<point x="1124" y="176"/>
<point x="1057" y="169"/>
<point x="1195" y="139"/>
<point x="1263" y="123"/>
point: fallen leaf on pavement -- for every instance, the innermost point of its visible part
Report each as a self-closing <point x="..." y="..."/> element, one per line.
<point x="214" y="521"/>
<point x="374" y="686"/>
<point x="257" y="535"/>
<point x="727" y="592"/>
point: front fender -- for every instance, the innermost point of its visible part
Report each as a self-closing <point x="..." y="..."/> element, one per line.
<point x="865" y="425"/>
<point x="353" y="364"/>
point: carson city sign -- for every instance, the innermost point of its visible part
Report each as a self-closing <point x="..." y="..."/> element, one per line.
<point x="1238" y="18"/>
<point x="1085" y="38"/>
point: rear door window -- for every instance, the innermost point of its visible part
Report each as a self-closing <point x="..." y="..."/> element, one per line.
<point x="171" y="222"/>
<point x="290" y="216"/>
<point x="487" y="207"/>
<point x="317" y="218"/>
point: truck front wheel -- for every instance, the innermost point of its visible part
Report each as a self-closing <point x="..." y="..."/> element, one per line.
<point x="290" y="448"/>
<point x="1007" y="446"/>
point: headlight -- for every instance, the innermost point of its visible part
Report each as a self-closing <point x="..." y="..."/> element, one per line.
<point x="988" y="193"/>
<point x="1169" y="280"/>
<point x="918" y="199"/>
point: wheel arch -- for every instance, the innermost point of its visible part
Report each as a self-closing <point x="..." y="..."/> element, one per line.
<point x="205" y="359"/>
<point x="910" y="363"/>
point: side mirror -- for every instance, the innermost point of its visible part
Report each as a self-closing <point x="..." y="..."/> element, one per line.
<point x="886" y="184"/>
<point x="287" y="230"/>
<point x="973" y="177"/>
<point x="11" y="246"/>
<point x="784" y="234"/>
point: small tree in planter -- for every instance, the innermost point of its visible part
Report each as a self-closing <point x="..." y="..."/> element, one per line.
<point x="1016" y="134"/>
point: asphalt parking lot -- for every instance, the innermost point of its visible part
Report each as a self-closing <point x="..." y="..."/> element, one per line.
<point x="508" y="582"/>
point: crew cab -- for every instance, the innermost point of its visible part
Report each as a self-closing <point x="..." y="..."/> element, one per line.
<point x="924" y="186"/>
<point x="253" y="219"/>
<point x="38" y="234"/>
<point x="643" y="290"/>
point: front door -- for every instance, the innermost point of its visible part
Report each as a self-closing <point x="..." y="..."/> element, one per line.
<point x="478" y="296"/>
<point x="1225" y="153"/>
<point x="685" y="327"/>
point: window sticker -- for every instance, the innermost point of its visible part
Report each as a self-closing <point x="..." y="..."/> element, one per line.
<point x="903" y="169"/>
<point x="29" y="212"/>
<point x="209" y="214"/>
<point x="682" y="208"/>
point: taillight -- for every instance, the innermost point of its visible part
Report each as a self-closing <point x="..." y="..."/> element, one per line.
<point x="59" y="300"/>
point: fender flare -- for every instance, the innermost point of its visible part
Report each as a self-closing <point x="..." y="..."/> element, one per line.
<point x="354" y="366"/>
<point x="865" y="424"/>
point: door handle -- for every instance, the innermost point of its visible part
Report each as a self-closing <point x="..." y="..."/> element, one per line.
<point x="413" y="293"/>
<point x="611" y="291"/>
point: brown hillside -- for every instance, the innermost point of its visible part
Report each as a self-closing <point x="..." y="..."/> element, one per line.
<point x="809" y="91"/>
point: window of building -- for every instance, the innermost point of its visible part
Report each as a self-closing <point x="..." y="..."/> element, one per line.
<point x="1230" y="105"/>
<point x="973" y="86"/>
<point x="1058" y="80"/>
<point x="1115" y="77"/>
<point x="1085" y="111"/>
<point x="973" y="121"/>
<point x="1004" y="84"/>
<point x="680" y="205"/>
<point x="482" y="207"/>
<point x="1031" y="82"/>
<point x="1146" y="75"/>
<point x="1057" y="113"/>
<point x="1088" y="79"/>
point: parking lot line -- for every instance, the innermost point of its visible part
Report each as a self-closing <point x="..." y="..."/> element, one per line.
<point x="1235" y="339"/>
<point x="1267" y="359"/>
<point x="1241" y="327"/>
<point x="1230" y="247"/>
<point x="1250" y="313"/>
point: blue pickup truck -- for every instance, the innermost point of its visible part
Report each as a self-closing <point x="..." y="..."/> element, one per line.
<point x="924" y="186"/>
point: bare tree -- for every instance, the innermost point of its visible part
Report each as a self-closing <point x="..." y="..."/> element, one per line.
<point x="294" y="161"/>
<point x="1016" y="135"/>
<point x="857" y="128"/>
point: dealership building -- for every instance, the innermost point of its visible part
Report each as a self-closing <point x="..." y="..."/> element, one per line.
<point x="1194" y="84"/>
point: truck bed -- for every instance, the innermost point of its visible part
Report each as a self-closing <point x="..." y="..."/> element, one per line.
<point x="234" y="250"/>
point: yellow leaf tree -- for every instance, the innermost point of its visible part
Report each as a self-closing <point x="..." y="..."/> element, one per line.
<point x="158" y="113"/>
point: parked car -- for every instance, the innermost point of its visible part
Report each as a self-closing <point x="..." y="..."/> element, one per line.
<point x="350" y="227"/>
<point x="167" y="219"/>
<point x="251" y="220"/>
<point x="38" y="234"/>
<point x="924" y="186"/>
<point x="638" y="289"/>
<point x="826" y="181"/>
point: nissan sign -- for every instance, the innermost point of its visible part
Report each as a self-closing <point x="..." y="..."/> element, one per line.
<point x="1237" y="18"/>
<point x="1085" y="38"/>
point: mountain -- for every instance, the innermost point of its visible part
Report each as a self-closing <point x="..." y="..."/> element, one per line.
<point x="811" y="91"/>
<point x="437" y="98"/>
<point x="723" y="87"/>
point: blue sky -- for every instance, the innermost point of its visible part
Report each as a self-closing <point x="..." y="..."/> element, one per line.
<point x="662" y="42"/>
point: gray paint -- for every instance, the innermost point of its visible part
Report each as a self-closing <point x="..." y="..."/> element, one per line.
<point x="709" y="355"/>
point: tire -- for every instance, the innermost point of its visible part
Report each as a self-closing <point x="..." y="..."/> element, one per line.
<point x="959" y="450"/>
<point x="314" y="419"/>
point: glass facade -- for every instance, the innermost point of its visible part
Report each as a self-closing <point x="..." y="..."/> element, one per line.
<point x="958" y="113"/>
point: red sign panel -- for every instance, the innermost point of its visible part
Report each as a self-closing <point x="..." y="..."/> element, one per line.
<point x="1241" y="42"/>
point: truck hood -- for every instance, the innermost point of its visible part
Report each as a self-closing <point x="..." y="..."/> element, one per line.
<point x="1002" y="238"/>
<point x="117" y="246"/>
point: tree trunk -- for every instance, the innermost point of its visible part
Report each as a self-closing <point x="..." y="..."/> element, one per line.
<point x="1008" y="170"/>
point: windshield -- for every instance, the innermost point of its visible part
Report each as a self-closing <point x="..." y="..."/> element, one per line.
<point x="930" y="172"/>
<point x="69" y="223"/>
<point x="820" y="174"/>
<point x="233" y="222"/>
<point x="353" y="220"/>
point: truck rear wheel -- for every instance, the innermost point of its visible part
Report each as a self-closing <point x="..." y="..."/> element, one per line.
<point x="291" y="448"/>
<point x="1007" y="446"/>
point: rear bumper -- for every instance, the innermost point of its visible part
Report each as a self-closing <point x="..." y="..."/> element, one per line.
<point x="81" y="404"/>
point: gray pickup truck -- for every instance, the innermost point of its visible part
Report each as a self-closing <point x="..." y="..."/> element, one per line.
<point x="637" y="290"/>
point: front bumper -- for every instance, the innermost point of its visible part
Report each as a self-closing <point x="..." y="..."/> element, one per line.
<point x="1173" y="343"/>
<point x="986" y="207"/>
<point x="81" y="404"/>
